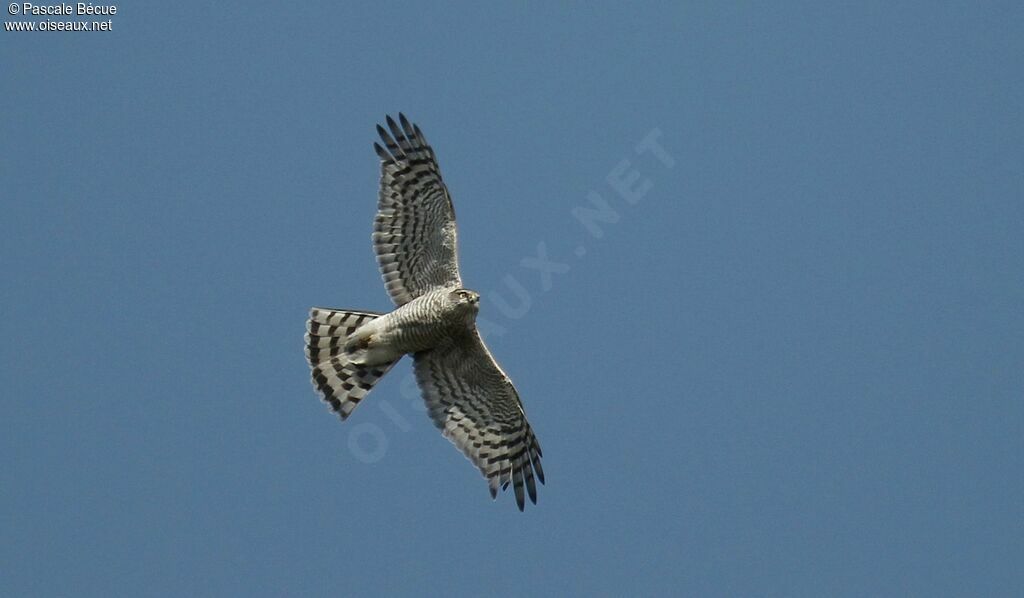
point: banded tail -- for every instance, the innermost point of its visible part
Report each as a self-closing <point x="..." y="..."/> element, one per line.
<point x="341" y="383"/>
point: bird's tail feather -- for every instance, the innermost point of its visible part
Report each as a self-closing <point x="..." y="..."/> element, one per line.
<point x="341" y="383"/>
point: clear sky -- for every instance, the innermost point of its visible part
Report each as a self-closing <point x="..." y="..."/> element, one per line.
<point x="784" y="357"/>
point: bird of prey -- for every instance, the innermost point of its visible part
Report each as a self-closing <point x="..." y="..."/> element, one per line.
<point x="469" y="398"/>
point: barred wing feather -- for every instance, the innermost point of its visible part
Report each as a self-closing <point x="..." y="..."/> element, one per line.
<point x="477" y="408"/>
<point x="414" y="231"/>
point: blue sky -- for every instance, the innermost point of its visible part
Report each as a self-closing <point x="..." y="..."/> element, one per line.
<point x="791" y="366"/>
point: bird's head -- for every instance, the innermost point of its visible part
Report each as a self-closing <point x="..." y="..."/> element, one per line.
<point x="466" y="301"/>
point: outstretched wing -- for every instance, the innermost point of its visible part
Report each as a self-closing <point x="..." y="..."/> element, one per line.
<point x="414" y="231"/>
<point x="476" y="407"/>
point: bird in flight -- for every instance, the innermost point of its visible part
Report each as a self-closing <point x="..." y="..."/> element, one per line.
<point x="468" y="396"/>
